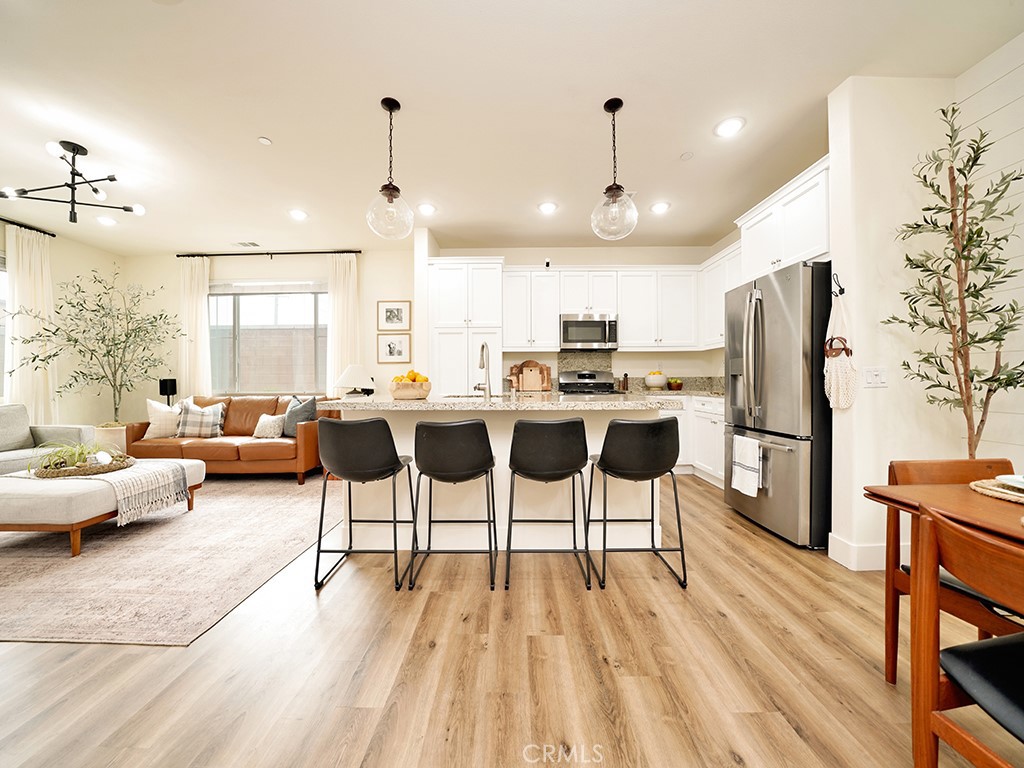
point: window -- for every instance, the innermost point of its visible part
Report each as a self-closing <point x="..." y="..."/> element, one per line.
<point x="3" y="325"/>
<point x="268" y="342"/>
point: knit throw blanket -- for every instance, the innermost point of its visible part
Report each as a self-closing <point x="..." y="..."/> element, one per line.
<point x="146" y="487"/>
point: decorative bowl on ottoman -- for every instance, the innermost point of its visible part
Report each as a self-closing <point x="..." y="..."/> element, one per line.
<point x="409" y="390"/>
<point x="656" y="380"/>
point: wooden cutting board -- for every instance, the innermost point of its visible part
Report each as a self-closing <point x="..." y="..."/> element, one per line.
<point x="533" y="376"/>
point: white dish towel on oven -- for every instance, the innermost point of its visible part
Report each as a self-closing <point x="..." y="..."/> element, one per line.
<point x="746" y="465"/>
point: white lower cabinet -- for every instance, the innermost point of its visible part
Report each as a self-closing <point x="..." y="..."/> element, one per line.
<point x="683" y="414"/>
<point x="709" y="439"/>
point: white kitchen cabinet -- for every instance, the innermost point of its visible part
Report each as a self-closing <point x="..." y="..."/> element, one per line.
<point x="465" y="309"/>
<point x="589" y="292"/>
<point x="530" y="310"/>
<point x="718" y="275"/>
<point x="789" y="226"/>
<point x="683" y="414"/>
<point x="658" y="309"/>
<point x="709" y="439"/>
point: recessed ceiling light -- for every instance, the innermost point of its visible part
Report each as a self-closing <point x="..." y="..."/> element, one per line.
<point x="106" y="221"/>
<point x="547" y="208"/>
<point x="298" y="215"/>
<point x="426" y="209"/>
<point x="660" y="207"/>
<point x="264" y="141"/>
<point x="686" y="156"/>
<point x="729" y="127"/>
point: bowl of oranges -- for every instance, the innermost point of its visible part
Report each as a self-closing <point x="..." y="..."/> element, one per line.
<point x="655" y="380"/>
<point x="412" y="386"/>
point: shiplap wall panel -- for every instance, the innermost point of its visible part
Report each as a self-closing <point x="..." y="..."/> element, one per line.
<point x="991" y="96"/>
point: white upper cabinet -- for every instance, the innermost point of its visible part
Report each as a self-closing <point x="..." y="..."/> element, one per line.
<point x="789" y="226"/>
<point x="589" y="292"/>
<point x="718" y="275"/>
<point x="657" y="309"/>
<point x="530" y="310"/>
<point x="638" y="309"/>
<point x="449" y="294"/>
<point x="484" y="294"/>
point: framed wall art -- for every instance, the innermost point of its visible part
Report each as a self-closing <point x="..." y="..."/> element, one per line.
<point x="394" y="347"/>
<point x="394" y="316"/>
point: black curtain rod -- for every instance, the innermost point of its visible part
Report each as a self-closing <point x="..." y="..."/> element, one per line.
<point x="271" y="254"/>
<point x="26" y="226"/>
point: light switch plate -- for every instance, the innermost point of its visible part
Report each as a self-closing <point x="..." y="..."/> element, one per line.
<point x="875" y="378"/>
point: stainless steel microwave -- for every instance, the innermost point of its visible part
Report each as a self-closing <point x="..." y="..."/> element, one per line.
<point x="597" y="331"/>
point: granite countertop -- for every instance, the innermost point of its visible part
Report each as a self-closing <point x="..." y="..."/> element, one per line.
<point x="537" y="401"/>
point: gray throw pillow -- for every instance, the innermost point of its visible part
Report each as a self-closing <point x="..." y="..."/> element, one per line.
<point x="298" y="410"/>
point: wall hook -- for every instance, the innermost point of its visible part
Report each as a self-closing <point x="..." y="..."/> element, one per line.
<point x="835" y="279"/>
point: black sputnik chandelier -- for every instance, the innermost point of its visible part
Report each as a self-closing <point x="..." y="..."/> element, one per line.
<point x="69" y="152"/>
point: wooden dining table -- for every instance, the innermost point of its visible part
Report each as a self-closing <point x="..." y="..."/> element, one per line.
<point x="960" y="503"/>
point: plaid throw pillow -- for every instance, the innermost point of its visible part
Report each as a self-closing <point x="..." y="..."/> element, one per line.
<point x="200" y="422"/>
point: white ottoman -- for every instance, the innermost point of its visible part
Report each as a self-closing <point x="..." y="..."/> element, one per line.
<point x="71" y="504"/>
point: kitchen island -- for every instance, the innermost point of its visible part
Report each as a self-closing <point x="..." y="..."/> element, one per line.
<point x="533" y="499"/>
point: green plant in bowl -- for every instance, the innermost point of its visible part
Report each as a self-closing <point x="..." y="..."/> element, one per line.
<point x="65" y="454"/>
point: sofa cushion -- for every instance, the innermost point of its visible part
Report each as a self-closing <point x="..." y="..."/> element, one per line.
<point x="215" y="448"/>
<point x="298" y="410"/>
<point x="159" y="448"/>
<point x="268" y="450"/>
<point x="244" y="413"/>
<point x="15" y="461"/>
<point x="14" y="432"/>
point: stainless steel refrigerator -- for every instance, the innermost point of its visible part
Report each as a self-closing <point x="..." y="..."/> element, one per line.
<point x="774" y="370"/>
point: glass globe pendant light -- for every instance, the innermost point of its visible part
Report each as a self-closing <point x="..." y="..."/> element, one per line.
<point x="389" y="216"/>
<point x="615" y="215"/>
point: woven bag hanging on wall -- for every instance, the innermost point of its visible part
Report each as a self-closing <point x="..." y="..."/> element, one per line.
<point x="840" y="372"/>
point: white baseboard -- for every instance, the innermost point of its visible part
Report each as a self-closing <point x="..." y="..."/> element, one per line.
<point x="856" y="557"/>
<point x="715" y="481"/>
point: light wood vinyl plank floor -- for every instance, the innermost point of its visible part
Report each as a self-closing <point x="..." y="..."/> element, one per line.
<point x="771" y="657"/>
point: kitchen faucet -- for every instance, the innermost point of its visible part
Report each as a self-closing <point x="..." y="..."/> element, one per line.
<point x="485" y="366"/>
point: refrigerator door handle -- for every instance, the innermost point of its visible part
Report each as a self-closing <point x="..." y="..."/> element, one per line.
<point x="757" y="352"/>
<point x="775" y="447"/>
<point x="748" y="392"/>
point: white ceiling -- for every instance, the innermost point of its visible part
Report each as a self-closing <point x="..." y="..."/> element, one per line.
<point x="501" y="109"/>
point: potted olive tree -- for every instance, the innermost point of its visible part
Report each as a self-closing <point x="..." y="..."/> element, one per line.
<point x="955" y="298"/>
<point x="115" y="342"/>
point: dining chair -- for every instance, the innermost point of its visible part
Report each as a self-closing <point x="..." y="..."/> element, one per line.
<point x="986" y="672"/>
<point x="360" y="451"/>
<point x="954" y="598"/>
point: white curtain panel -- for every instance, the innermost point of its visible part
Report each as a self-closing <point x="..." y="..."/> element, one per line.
<point x="29" y="285"/>
<point x="194" y="372"/>
<point x="343" y="323"/>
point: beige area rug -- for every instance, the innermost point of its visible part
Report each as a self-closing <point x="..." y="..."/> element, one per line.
<point x="162" y="580"/>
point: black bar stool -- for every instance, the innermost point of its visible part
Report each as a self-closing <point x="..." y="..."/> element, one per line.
<point x="453" y="452"/>
<point x="360" y="451"/>
<point x="638" y="451"/>
<point x="548" y="452"/>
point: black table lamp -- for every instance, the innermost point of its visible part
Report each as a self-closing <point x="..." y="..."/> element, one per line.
<point x="169" y="388"/>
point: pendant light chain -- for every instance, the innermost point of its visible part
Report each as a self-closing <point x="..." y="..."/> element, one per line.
<point x="615" y="159"/>
<point x="391" y="156"/>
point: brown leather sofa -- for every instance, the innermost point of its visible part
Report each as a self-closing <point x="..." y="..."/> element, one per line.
<point x="237" y="452"/>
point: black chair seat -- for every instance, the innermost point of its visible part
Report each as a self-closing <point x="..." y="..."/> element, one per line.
<point x="463" y="476"/>
<point x="370" y="475"/>
<point x="992" y="673"/>
<point x="946" y="579"/>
